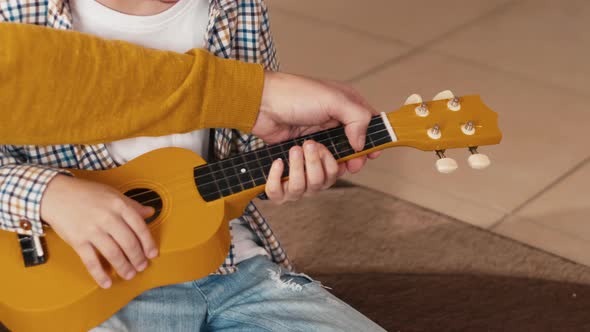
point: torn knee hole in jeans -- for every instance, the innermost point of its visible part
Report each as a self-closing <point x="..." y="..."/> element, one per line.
<point x="291" y="281"/>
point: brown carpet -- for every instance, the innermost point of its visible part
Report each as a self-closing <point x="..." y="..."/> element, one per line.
<point x="418" y="303"/>
<point x="410" y="269"/>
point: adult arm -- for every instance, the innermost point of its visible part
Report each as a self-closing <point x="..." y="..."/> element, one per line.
<point x="65" y="87"/>
<point x="60" y="87"/>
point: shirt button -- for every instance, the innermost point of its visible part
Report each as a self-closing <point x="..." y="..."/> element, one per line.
<point x="26" y="225"/>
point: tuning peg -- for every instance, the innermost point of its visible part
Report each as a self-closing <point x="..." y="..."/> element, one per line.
<point x="434" y="132"/>
<point x="454" y="102"/>
<point x="422" y="109"/>
<point x="413" y="99"/>
<point x="447" y="94"/>
<point x="445" y="165"/>
<point x="468" y="128"/>
<point x="478" y="160"/>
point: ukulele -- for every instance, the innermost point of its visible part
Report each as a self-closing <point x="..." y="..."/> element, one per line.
<point x="44" y="285"/>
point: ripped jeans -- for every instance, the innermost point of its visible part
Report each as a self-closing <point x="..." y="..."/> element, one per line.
<point x="260" y="296"/>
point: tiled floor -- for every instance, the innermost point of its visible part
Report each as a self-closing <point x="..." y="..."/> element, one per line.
<point x="528" y="61"/>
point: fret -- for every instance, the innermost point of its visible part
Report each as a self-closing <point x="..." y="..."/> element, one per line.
<point x="216" y="181"/>
<point x="379" y="132"/>
<point x="378" y="135"/>
<point x="278" y="151"/>
<point x="344" y="147"/>
<point x="258" y="176"/>
<point x="371" y="140"/>
<point x="320" y="137"/>
<point x="287" y="163"/>
<point x="260" y="167"/>
<point x="331" y="146"/>
<point x="206" y="183"/>
<point x="222" y="182"/>
<point x="382" y="140"/>
<point x="264" y="162"/>
<point x="231" y="175"/>
<point x="244" y="173"/>
<point x="273" y="158"/>
<point x="369" y="143"/>
<point x="281" y="150"/>
<point x="376" y="120"/>
<point x="340" y="141"/>
<point x="299" y="141"/>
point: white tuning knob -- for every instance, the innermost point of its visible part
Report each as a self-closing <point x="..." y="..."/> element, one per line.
<point x="413" y="99"/>
<point x="478" y="161"/>
<point x="446" y="165"/>
<point x="447" y="94"/>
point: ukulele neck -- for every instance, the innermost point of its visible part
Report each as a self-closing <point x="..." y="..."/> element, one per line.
<point x="250" y="170"/>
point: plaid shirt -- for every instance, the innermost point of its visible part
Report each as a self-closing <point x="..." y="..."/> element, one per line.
<point x="236" y="29"/>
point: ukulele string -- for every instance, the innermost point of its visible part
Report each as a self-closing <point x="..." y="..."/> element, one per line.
<point x="190" y="184"/>
<point x="271" y="156"/>
<point x="224" y="181"/>
<point x="264" y="166"/>
<point x="218" y="181"/>
<point x="310" y="136"/>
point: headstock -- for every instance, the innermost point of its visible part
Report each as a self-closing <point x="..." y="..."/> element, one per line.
<point x="447" y="122"/>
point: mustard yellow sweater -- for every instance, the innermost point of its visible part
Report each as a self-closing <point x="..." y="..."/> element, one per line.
<point x="59" y="87"/>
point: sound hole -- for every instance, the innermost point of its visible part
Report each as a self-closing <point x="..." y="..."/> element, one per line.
<point x="147" y="197"/>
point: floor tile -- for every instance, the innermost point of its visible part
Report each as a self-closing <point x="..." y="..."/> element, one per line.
<point x="541" y="237"/>
<point x="565" y="207"/>
<point x="534" y="151"/>
<point x="376" y="177"/>
<point x="547" y="40"/>
<point x="323" y="51"/>
<point x="411" y="21"/>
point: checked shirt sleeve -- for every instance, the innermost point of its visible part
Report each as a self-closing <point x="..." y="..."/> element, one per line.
<point x="242" y="141"/>
<point x="21" y="189"/>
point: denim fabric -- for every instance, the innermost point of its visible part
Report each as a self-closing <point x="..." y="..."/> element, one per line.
<point x="260" y="296"/>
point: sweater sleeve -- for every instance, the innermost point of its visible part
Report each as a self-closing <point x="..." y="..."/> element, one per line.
<point x="59" y="87"/>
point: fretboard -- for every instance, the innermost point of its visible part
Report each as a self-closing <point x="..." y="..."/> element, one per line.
<point x="250" y="169"/>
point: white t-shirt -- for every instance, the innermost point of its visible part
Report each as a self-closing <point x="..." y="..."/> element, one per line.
<point x="180" y="28"/>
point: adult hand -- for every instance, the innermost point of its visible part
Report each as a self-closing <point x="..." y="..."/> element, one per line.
<point x="294" y="106"/>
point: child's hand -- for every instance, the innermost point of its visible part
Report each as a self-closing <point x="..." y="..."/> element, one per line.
<point x="93" y="217"/>
<point x="312" y="168"/>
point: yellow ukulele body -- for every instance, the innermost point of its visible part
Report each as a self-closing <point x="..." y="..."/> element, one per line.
<point x="192" y="235"/>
